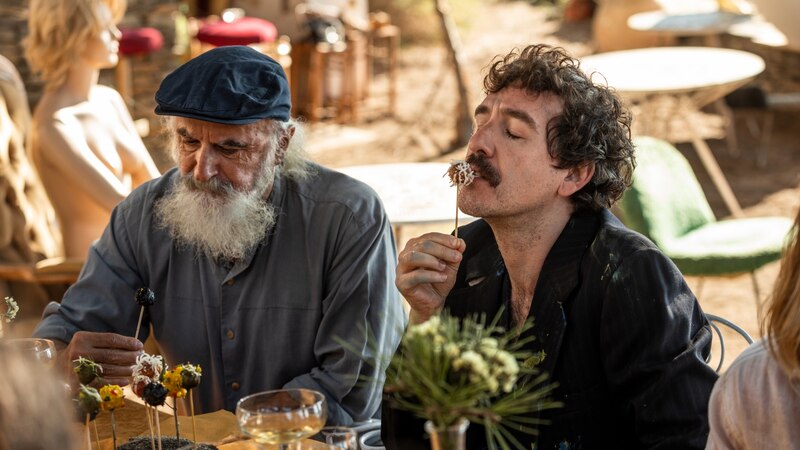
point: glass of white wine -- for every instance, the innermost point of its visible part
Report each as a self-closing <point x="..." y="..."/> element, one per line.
<point x="283" y="417"/>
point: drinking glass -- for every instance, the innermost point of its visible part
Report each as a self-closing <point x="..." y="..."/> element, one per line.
<point x="340" y="438"/>
<point x="40" y="350"/>
<point x="283" y="417"/>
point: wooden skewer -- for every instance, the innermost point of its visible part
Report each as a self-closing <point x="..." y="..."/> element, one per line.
<point x="96" y="436"/>
<point x="88" y="434"/>
<point x="194" y="428"/>
<point x="458" y="190"/>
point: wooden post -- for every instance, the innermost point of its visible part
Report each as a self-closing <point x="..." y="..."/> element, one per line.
<point x="463" y="113"/>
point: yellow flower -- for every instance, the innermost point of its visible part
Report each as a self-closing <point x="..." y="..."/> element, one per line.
<point x="112" y="397"/>
<point x="173" y="381"/>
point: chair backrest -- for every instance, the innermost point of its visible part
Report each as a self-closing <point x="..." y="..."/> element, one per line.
<point x="665" y="200"/>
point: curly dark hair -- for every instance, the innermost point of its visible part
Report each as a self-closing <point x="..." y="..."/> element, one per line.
<point x="594" y="126"/>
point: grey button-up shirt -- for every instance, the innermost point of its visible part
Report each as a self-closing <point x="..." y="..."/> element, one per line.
<point x="324" y="275"/>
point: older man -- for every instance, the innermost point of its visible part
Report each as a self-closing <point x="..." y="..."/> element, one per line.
<point x="616" y="326"/>
<point x="269" y="271"/>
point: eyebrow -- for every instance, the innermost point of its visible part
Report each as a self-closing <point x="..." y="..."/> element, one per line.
<point x="511" y="112"/>
<point x="184" y="133"/>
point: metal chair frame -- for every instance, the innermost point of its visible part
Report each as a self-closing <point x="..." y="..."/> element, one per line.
<point x="713" y="320"/>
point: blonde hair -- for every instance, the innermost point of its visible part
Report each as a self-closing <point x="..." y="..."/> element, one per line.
<point x="58" y="29"/>
<point x="781" y="321"/>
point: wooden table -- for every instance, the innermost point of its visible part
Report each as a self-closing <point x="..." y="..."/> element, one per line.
<point x="693" y="76"/>
<point x="412" y="193"/>
<point x="219" y="428"/>
<point x="707" y="24"/>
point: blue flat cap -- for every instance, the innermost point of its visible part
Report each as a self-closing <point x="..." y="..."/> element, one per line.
<point x="233" y="85"/>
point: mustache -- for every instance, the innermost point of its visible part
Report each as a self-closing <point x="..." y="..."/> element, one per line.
<point x="213" y="186"/>
<point x="484" y="168"/>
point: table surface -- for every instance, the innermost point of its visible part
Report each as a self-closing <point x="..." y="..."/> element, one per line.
<point x="412" y="193"/>
<point x="672" y="70"/>
<point x="219" y="427"/>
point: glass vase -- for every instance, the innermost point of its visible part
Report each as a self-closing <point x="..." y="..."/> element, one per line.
<point x="453" y="437"/>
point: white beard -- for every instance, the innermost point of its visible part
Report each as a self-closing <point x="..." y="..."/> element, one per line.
<point x="214" y="218"/>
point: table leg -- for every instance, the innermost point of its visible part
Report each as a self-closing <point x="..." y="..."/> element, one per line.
<point x="713" y="169"/>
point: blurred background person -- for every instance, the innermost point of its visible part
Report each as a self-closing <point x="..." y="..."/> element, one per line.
<point x="35" y="411"/>
<point x="756" y="403"/>
<point x="83" y="140"/>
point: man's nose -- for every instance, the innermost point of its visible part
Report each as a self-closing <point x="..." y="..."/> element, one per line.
<point x="481" y="141"/>
<point x="206" y="164"/>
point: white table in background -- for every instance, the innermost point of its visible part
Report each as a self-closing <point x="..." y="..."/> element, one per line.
<point x="412" y="193"/>
<point x="694" y="76"/>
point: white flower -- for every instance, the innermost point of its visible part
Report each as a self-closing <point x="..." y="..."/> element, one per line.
<point x="428" y="328"/>
<point x="473" y="363"/>
<point x="452" y="350"/>
<point x="11" y="309"/>
<point x="505" y="368"/>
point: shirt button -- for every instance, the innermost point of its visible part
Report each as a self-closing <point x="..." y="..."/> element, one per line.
<point x="235" y="386"/>
<point x="229" y="334"/>
<point x="230" y="282"/>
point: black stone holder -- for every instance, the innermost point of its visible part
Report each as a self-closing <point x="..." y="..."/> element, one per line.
<point x="167" y="443"/>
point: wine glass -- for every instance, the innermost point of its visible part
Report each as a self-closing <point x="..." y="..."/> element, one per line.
<point x="340" y="438"/>
<point x="283" y="417"/>
<point x="41" y="350"/>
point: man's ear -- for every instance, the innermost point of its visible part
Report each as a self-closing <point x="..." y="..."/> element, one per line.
<point x="283" y="145"/>
<point x="575" y="179"/>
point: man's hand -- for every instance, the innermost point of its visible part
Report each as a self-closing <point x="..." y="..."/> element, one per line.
<point x="426" y="272"/>
<point x="114" y="352"/>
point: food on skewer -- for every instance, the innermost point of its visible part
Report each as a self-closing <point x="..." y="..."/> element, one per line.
<point x="147" y="369"/>
<point x="113" y="398"/>
<point x="461" y="174"/>
<point x="86" y="370"/>
<point x="144" y="297"/>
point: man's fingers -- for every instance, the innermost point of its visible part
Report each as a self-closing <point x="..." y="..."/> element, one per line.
<point x="405" y="283"/>
<point x="429" y="254"/>
<point x="114" y="372"/>
<point x="109" y="340"/>
<point x="115" y="357"/>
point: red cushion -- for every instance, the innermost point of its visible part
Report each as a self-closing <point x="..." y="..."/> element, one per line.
<point x="136" y="41"/>
<point x="244" y="31"/>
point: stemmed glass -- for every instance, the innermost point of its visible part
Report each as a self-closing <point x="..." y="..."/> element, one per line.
<point x="340" y="438"/>
<point x="283" y="417"/>
<point x="41" y="350"/>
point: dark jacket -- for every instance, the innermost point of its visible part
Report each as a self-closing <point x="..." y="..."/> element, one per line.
<point x="622" y="334"/>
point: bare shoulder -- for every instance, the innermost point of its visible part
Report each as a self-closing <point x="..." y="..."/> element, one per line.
<point x="102" y="92"/>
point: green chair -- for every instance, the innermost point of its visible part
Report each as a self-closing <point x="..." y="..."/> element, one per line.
<point x="667" y="204"/>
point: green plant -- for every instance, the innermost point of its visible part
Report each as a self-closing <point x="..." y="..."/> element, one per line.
<point x="447" y="369"/>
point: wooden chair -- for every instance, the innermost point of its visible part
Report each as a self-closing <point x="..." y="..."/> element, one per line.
<point x="31" y="248"/>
